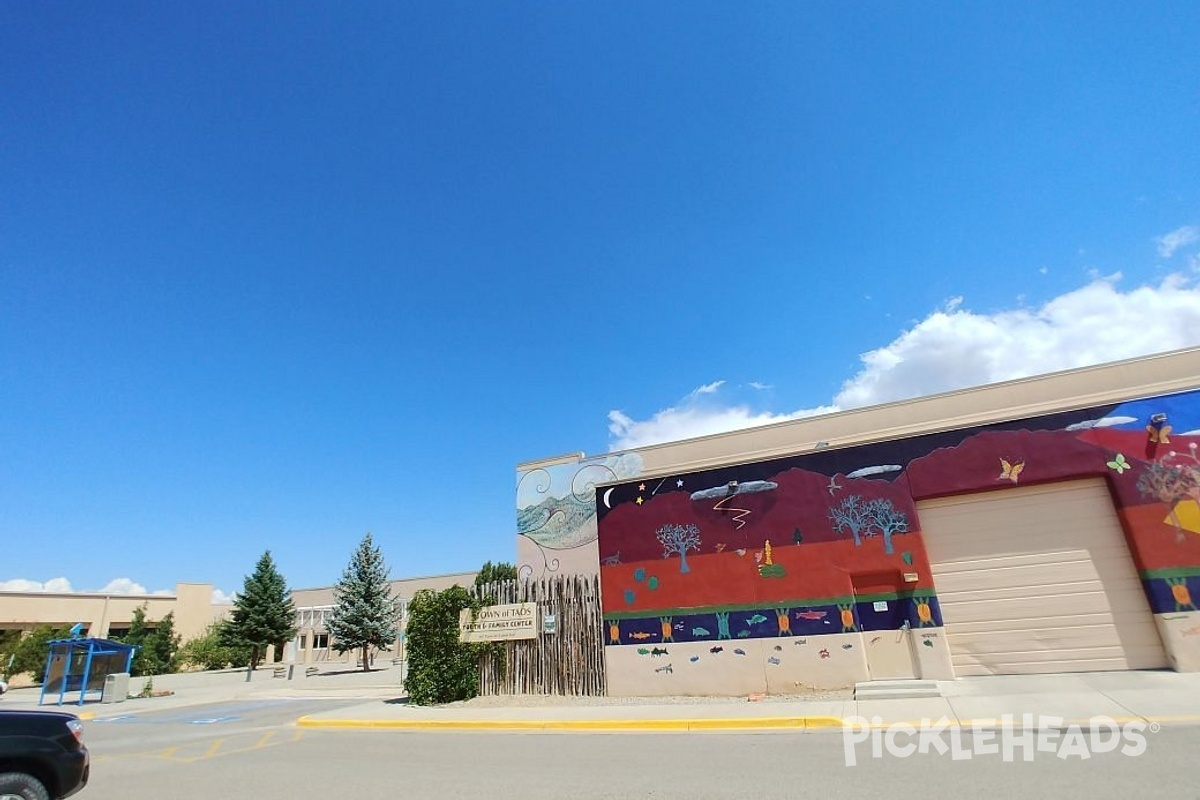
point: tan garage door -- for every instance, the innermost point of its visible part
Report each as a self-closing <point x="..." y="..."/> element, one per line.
<point x="1038" y="579"/>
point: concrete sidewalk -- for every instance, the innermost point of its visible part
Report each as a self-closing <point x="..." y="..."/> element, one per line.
<point x="1052" y="701"/>
<point x="1151" y="697"/>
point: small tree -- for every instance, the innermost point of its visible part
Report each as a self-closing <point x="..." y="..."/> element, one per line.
<point x="678" y="539"/>
<point x="263" y="612"/>
<point x="207" y="652"/>
<point x="495" y="573"/>
<point x="887" y="520"/>
<point x="852" y="515"/>
<point x="364" y="614"/>
<point x="156" y="647"/>
<point x="32" y="652"/>
<point x="441" y="669"/>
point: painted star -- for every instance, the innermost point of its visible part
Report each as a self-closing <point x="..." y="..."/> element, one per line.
<point x="639" y="501"/>
<point x="642" y="487"/>
<point x="679" y="483"/>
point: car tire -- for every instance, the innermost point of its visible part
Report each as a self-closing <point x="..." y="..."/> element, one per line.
<point x="21" y="785"/>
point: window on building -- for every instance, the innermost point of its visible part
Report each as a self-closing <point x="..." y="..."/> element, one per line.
<point x="303" y="642"/>
<point x="320" y="641"/>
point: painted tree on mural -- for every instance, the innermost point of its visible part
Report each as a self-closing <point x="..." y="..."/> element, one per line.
<point x="887" y="520"/>
<point x="851" y="514"/>
<point x="679" y="539"/>
<point x="1171" y="480"/>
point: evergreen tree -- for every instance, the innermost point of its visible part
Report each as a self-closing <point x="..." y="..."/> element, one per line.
<point x="263" y="612"/>
<point x="495" y="573"/>
<point x="161" y="647"/>
<point x="365" y="613"/>
<point x="488" y="577"/>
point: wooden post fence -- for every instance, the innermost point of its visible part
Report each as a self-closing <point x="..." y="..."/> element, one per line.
<point x="569" y="662"/>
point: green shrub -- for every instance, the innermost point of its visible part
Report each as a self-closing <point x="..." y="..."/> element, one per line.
<point x="440" y="668"/>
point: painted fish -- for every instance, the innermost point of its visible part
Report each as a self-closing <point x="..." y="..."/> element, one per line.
<point x="678" y="626"/>
<point x="757" y="618"/>
<point x="824" y="653"/>
<point x="658" y="651"/>
<point x="739" y="651"/>
<point x="743" y="634"/>
<point x="664" y="668"/>
<point x="811" y="614"/>
<point x="694" y="659"/>
<point x="772" y="660"/>
<point x="639" y="635"/>
<point x="715" y="650"/>
<point x="847" y="647"/>
<point x="876" y="639"/>
<point x="643" y="651"/>
<point x="741" y="551"/>
<point x="778" y="648"/>
<point x="700" y="632"/>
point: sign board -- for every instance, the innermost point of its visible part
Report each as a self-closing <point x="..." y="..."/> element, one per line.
<point x="881" y="605"/>
<point x="549" y="624"/>
<point x="499" y="623"/>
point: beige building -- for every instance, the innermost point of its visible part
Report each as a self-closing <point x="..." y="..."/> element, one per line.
<point x="106" y="615"/>
<point x="110" y="615"/>
<point x="1049" y="524"/>
<point x="313" y="607"/>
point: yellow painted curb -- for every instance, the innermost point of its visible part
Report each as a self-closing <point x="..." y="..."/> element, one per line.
<point x="675" y="725"/>
<point x="988" y="723"/>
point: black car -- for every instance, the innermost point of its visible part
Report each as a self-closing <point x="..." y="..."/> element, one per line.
<point x="42" y="755"/>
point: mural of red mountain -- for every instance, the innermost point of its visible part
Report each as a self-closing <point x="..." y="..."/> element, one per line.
<point x="801" y="501"/>
<point x="978" y="464"/>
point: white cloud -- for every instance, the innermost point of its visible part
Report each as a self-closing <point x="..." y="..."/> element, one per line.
<point x="688" y="420"/>
<point x="760" y="386"/>
<point x="709" y="388"/>
<point x="953" y="348"/>
<point x="56" y="585"/>
<point x="1092" y="325"/>
<point x="1180" y="237"/>
<point x="123" y="586"/>
<point x="219" y="598"/>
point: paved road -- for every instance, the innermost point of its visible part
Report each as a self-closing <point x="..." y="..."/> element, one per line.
<point x="252" y="750"/>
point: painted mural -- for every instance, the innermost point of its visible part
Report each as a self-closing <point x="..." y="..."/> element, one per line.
<point x="800" y="564"/>
<point x="556" y="513"/>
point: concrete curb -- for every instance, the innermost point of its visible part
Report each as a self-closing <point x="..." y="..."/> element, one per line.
<point x="815" y="723"/>
<point x="991" y="725"/>
<point x="591" y="725"/>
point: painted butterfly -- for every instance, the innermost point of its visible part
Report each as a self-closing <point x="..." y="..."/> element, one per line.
<point x="1120" y="464"/>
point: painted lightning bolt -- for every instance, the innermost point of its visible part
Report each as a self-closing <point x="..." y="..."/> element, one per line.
<point x="740" y="517"/>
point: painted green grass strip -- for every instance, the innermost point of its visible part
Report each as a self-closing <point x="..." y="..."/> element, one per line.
<point x="1174" y="572"/>
<point x="808" y="603"/>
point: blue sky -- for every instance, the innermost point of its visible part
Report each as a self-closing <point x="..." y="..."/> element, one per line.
<point x="273" y="275"/>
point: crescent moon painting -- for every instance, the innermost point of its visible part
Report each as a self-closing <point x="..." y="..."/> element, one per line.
<point x="608" y="492"/>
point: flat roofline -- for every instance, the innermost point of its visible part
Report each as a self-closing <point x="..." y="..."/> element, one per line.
<point x="969" y="390"/>
<point x="566" y="458"/>
<point x="91" y="594"/>
<point x="396" y="580"/>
